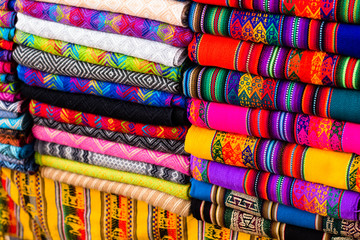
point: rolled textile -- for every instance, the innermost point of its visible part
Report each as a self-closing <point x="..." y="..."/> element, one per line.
<point x="244" y="89"/>
<point x="12" y="88"/>
<point x="17" y="152"/>
<point x="96" y="121"/>
<point x="175" y="189"/>
<point x="7" y="78"/>
<point x="153" y="197"/>
<point x="7" y="67"/>
<point x="111" y="90"/>
<point x="107" y="22"/>
<point x="157" y="144"/>
<point x="302" y="129"/>
<point x="176" y="162"/>
<point x="330" y="168"/>
<point x="7" y="5"/>
<point x="5" y="55"/>
<point x="6" y="114"/>
<point x="101" y="160"/>
<point x="271" y="210"/>
<point x="17" y="107"/>
<point x="275" y="29"/>
<point x="140" y="48"/>
<point x="307" y="196"/>
<point x="20" y="123"/>
<point x="109" y="107"/>
<point x="169" y="11"/>
<point x="314" y="67"/>
<point x="15" y="137"/>
<point x="96" y="56"/>
<point x="7" y="33"/>
<point x="7" y="19"/>
<point x="7" y="45"/>
<point x="239" y="221"/>
<point x="9" y="97"/>
<point x="30" y="167"/>
<point x="50" y="63"/>
<point x="8" y="159"/>
<point x="338" y="11"/>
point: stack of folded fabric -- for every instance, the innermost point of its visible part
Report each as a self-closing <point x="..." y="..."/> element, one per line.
<point x="275" y="113"/>
<point x="16" y="148"/>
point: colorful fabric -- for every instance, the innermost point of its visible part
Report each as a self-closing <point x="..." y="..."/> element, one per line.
<point x="7" y="5"/>
<point x="243" y="89"/>
<point x="50" y="63"/>
<point x="107" y="22"/>
<point x="96" y="56"/>
<point x="17" y="107"/>
<point x="302" y="129"/>
<point x="7" y="78"/>
<point x="5" y="55"/>
<point x="338" y="11"/>
<point x="307" y="196"/>
<point x="7" y="19"/>
<point x="17" y="152"/>
<point x="14" y="137"/>
<point x="279" y="30"/>
<point x="314" y="67"/>
<point x="9" y="97"/>
<point x="176" y="162"/>
<point x="6" y="114"/>
<point x="29" y="167"/>
<point x="144" y="96"/>
<point x="157" y="144"/>
<point x="7" y="33"/>
<point x="11" y="88"/>
<point x="271" y="210"/>
<point x="95" y="121"/>
<point x="21" y="123"/>
<point x="7" y="45"/>
<point x="140" y="48"/>
<point x="7" y="67"/>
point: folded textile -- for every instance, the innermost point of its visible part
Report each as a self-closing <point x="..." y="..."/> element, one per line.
<point x="338" y="10"/>
<point x="155" y="198"/>
<point x="16" y="107"/>
<point x="107" y="22"/>
<point x="307" y="196"/>
<point x="111" y="90"/>
<point x="169" y="11"/>
<point x="271" y="210"/>
<point x="9" y="97"/>
<point x="5" y="55"/>
<point x="7" y="19"/>
<point x="30" y="167"/>
<point x="244" y="89"/>
<point x="7" y="5"/>
<point x="17" y="152"/>
<point x="7" y="78"/>
<point x="96" y="56"/>
<point x="109" y="107"/>
<point x="7" y="33"/>
<point x="303" y="129"/>
<point x="314" y="67"/>
<point x="95" y="121"/>
<point x="275" y="29"/>
<point x="7" y="45"/>
<point x="6" y="114"/>
<point x="50" y="63"/>
<point x="175" y="189"/>
<point x="7" y="67"/>
<point x="101" y="160"/>
<point x="20" y="123"/>
<point x="140" y="48"/>
<point x="157" y="144"/>
<point x="15" y="137"/>
<point x="177" y="162"/>
<point x="12" y="88"/>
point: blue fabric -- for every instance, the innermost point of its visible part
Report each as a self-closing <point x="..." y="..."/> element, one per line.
<point x="29" y="167"/>
<point x="200" y="190"/>
<point x="21" y="123"/>
<point x="17" y="152"/>
<point x="6" y="114"/>
<point x="7" y="33"/>
<point x="7" y="78"/>
<point x="348" y="33"/>
<point x="296" y="217"/>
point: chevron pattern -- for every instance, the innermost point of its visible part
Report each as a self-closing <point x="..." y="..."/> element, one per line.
<point x="4" y="5"/>
<point x="21" y="123"/>
<point x="7" y="19"/>
<point x="17" y="152"/>
<point x="9" y="97"/>
<point x="15" y="138"/>
<point x="30" y="167"/>
<point x="17" y="107"/>
<point x="11" y="88"/>
<point x="7" y="33"/>
<point x="54" y="64"/>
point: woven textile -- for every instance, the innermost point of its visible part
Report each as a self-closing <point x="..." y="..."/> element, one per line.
<point x="109" y="107"/>
<point x="14" y="137"/>
<point x="238" y="88"/>
<point x="7" y="45"/>
<point x="9" y="97"/>
<point x="7" y="19"/>
<point x="29" y="167"/>
<point x="96" y="56"/>
<point x="339" y="11"/>
<point x="20" y="123"/>
<point x="7" y="67"/>
<point x="307" y="196"/>
<point x="157" y="144"/>
<point x="117" y="91"/>
<point x="314" y="67"/>
<point x="140" y="48"/>
<point x="176" y="162"/>
<point x="169" y="11"/>
<point x="5" y="114"/>
<point x="5" y="55"/>
<point x="7" y="5"/>
<point x="302" y="129"/>
<point x="11" y="88"/>
<point x="175" y="189"/>
<point x="7" y="78"/>
<point x="7" y="33"/>
<point x="279" y="30"/>
<point x="107" y="22"/>
<point x="17" y="107"/>
<point x="50" y="63"/>
<point x="271" y="210"/>
<point x="17" y="152"/>
<point x="88" y="157"/>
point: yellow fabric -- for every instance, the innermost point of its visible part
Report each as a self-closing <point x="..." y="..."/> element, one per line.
<point x="198" y="142"/>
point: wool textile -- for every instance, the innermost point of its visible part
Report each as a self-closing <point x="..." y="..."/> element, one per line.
<point x="7" y="33"/>
<point x="21" y="123"/>
<point x="9" y="97"/>
<point x="7" y="19"/>
<point x="15" y="137"/>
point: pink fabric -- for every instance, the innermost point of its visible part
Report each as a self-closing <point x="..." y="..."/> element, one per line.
<point x="176" y="162"/>
<point x="9" y="97"/>
<point x="351" y="138"/>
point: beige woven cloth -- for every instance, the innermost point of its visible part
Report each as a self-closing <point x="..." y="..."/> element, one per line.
<point x="152" y="197"/>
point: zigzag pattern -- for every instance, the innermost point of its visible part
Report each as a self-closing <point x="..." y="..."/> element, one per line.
<point x="30" y="167"/>
<point x="7" y="19"/>
<point x="11" y="88"/>
<point x="17" y="107"/>
<point x="17" y="152"/>
<point x="157" y="144"/>
<point x="15" y="138"/>
<point x="80" y="155"/>
<point x="20" y="123"/>
<point x="4" y="5"/>
<point x="9" y="97"/>
<point x="6" y="114"/>
<point x="50" y="63"/>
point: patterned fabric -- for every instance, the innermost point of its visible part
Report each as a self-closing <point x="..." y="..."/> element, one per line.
<point x="21" y="123"/>
<point x="50" y="63"/>
<point x="5" y="55"/>
<point x="96" y="56"/>
<point x="64" y="115"/>
<point x="277" y="30"/>
<point x="7" y="67"/>
<point x="7" y="45"/>
<point x="8" y="97"/>
<point x="99" y="88"/>
<point x="176" y="162"/>
<point x="17" y="152"/>
<point x="7" y="33"/>
<point x="107" y="22"/>
<point x="88" y="157"/>
<point x="314" y="67"/>
<point x="29" y="167"/>
<point x="5" y="114"/>
<point x="7" y="78"/>
<point x="337" y="10"/>
<point x="157" y="144"/>
<point x="14" y="137"/>
<point x="307" y="196"/>
<point x="17" y="107"/>
<point x="11" y="88"/>
<point x="175" y="189"/>
<point x="7" y="5"/>
<point x="7" y="19"/>
<point x="302" y="129"/>
<point x="271" y="210"/>
<point x="140" y="48"/>
<point x="238" y="88"/>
